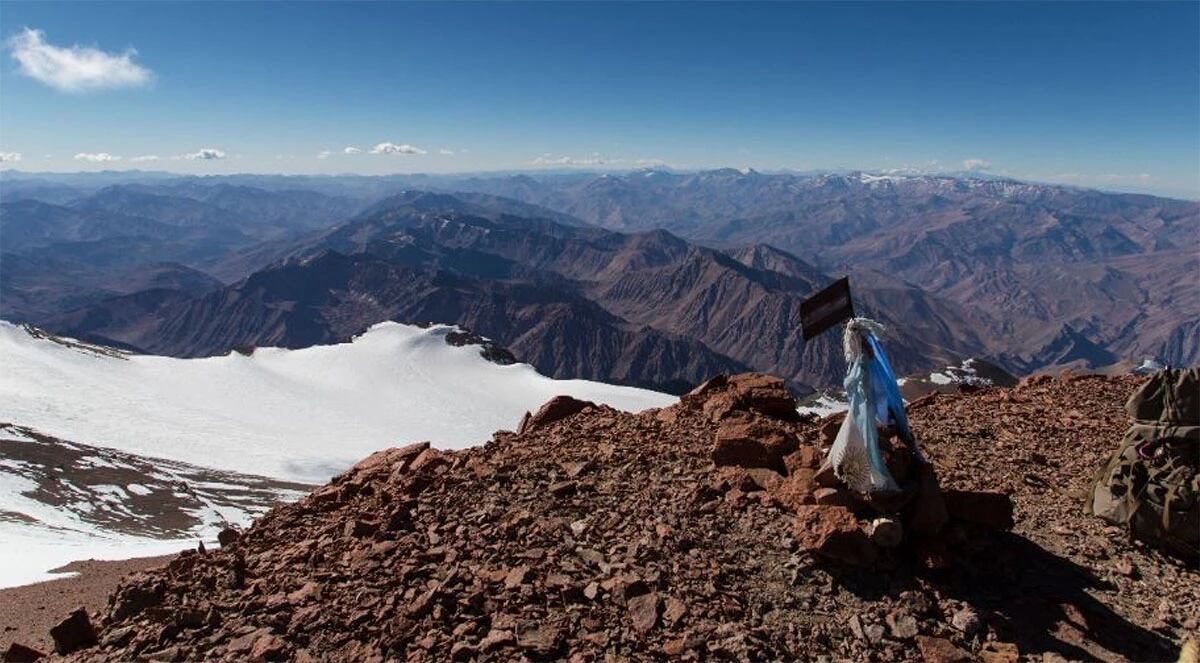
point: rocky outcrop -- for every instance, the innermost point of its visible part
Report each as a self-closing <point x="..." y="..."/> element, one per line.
<point x="555" y="409"/>
<point x="607" y="532"/>
<point x="73" y="633"/>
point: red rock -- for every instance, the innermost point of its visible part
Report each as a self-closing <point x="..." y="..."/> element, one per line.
<point x="19" y="653"/>
<point x="829" y="428"/>
<point x="752" y="443"/>
<point x="555" y="409"/>
<point x="136" y="595"/>
<point x="228" y="536"/>
<point x="675" y="610"/>
<point x="421" y="605"/>
<point x="429" y="460"/>
<point x="796" y="489"/>
<point x="834" y="532"/>
<point x="268" y="648"/>
<point x="988" y="509"/>
<point x="710" y="385"/>
<point x="807" y="456"/>
<point x="516" y="577"/>
<point x="764" y="478"/>
<point x="766" y="394"/>
<point x="1034" y="381"/>
<point x="387" y="460"/>
<point x="999" y="652"/>
<point x="940" y="650"/>
<point x="498" y="639"/>
<point x="462" y="651"/>
<point x="359" y="528"/>
<point x="310" y="590"/>
<point x="73" y="633"/>
<point x="643" y="612"/>
<point x="539" y="638"/>
<point x="244" y="643"/>
<point x="575" y="469"/>
<point x="720" y="406"/>
<point x="902" y="625"/>
<point x="675" y="648"/>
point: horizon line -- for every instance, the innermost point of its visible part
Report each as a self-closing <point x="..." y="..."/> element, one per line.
<point x="812" y="172"/>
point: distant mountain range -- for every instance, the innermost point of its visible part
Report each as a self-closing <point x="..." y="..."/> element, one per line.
<point x="650" y="278"/>
<point x="1042" y="261"/>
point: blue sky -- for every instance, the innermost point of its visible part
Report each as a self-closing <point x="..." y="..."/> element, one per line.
<point x="1104" y="95"/>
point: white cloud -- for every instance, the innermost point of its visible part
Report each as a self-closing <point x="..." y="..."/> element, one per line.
<point x="205" y="154"/>
<point x="446" y="152"/>
<point x="976" y="164"/>
<point x="10" y="157"/>
<point x="145" y="157"/>
<point x="392" y="148"/>
<point x="350" y="149"/>
<point x="650" y="162"/>
<point x="96" y="157"/>
<point x="324" y="154"/>
<point x="76" y="68"/>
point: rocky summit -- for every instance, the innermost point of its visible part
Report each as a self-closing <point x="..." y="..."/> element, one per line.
<point x="704" y="531"/>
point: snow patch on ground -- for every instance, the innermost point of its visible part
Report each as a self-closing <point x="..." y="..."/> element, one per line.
<point x="940" y="378"/>
<point x="30" y="551"/>
<point x="301" y="415"/>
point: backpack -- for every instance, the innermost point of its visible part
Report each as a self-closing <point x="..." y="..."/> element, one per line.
<point x="1151" y="484"/>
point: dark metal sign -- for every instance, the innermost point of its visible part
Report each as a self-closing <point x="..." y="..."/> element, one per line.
<point x="826" y="308"/>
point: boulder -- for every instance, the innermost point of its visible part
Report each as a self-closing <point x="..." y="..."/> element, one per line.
<point x="746" y="392"/>
<point x="766" y="394"/>
<point x="429" y="460"/>
<point x="752" y="443"/>
<point x="228" y="536"/>
<point x="386" y="461"/>
<point x="555" y="409"/>
<point x="73" y="633"/>
<point x="19" y="653"/>
<point x="796" y="489"/>
<point x="643" y="612"/>
<point x="705" y="388"/>
<point x="540" y="639"/>
<point x="833" y="532"/>
<point x="139" y="593"/>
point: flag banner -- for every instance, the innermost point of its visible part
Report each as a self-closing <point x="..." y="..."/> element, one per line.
<point x="826" y="308"/>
